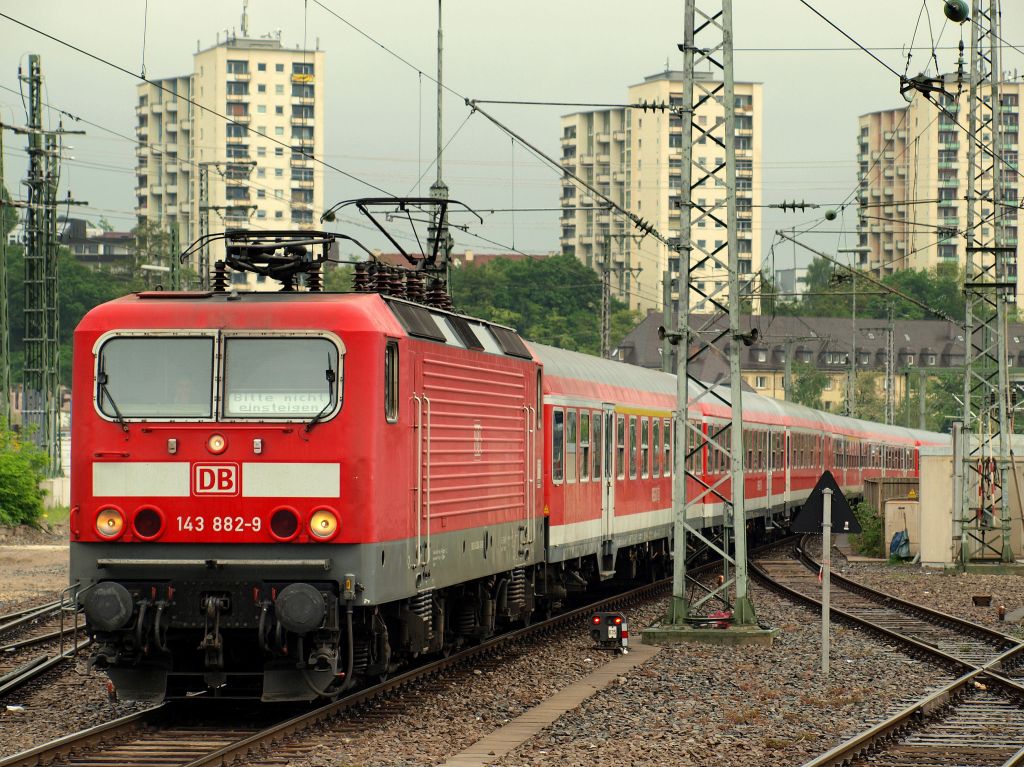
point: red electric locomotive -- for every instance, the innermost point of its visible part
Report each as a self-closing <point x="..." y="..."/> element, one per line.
<point x="276" y="495"/>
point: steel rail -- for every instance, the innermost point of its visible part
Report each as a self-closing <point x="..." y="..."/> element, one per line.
<point x="36" y="668"/>
<point x="936" y="616"/>
<point x="21" y="617"/>
<point x="972" y="677"/>
<point x="48" y="752"/>
<point x="259" y="741"/>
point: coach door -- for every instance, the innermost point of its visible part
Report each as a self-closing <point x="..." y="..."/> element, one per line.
<point x="787" y="438"/>
<point x="608" y="481"/>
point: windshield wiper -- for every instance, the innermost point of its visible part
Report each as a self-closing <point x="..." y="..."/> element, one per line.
<point x="102" y="379"/>
<point x="331" y="378"/>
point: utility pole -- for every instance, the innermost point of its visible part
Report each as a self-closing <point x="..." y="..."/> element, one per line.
<point x="204" y="224"/>
<point x="890" y="362"/>
<point x="922" y="386"/>
<point x="41" y="370"/>
<point x="713" y="24"/>
<point x="175" y="264"/>
<point x="989" y="281"/>
<point x="5" y="323"/>
<point x="52" y="401"/>
<point x="666" y="320"/>
<point x="851" y="397"/>
<point x="33" y="412"/>
<point x="437" y="232"/>
<point x="606" y="292"/>
<point x="606" y="300"/>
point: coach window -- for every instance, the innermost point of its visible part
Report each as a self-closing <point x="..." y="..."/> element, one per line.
<point x="540" y="400"/>
<point x="275" y="377"/>
<point x="656" y="443"/>
<point x="391" y="381"/>
<point x="155" y="377"/>
<point x="596" y="444"/>
<point x="570" y="445"/>
<point x="666" y="436"/>
<point x="584" y="445"/>
<point x="620" y="442"/>
<point x="645" y="449"/>
<point x="632" y="447"/>
<point x="557" y="445"/>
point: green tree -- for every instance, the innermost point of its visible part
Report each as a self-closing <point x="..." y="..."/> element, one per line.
<point x="22" y="468"/>
<point x="337" y="279"/>
<point x="554" y="300"/>
<point x="870" y="403"/>
<point x="808" y="384"/>
<point x="152" y="245"/>
<point x="79" y="289"/>
<point x="830" y="289"/>
<point x="8" y="214"/>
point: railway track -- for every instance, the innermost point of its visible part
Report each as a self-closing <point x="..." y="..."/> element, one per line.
<point x="44" y="626"/>
<point x="150" y="736"/>
<point x="173" y="734"/>
<point x="976" y="719"/>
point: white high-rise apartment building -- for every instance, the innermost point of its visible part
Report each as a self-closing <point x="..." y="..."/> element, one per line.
<point x="255" y="181"/>
<point x="635" y="158"/>
<point x="914" y="181"/>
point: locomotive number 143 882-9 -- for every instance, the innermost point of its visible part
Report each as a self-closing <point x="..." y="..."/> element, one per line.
<point x="219" y="524"/>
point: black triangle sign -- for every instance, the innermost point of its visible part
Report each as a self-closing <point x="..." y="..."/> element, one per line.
<point x="809" y="518"/>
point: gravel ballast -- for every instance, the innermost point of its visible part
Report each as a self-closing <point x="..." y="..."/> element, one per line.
<point x="690" y="704"/>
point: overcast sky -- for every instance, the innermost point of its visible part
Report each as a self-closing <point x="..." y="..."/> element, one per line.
<point x="380" y="112"/>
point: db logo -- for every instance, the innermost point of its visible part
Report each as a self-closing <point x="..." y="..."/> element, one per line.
<point x="215" y="479"/>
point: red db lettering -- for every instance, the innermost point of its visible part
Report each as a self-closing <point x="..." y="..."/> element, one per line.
<point x="225" y="479"/>
<point x="215" y="479"/>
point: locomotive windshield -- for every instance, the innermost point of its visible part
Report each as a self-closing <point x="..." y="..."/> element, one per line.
<point x="156" y="378"/>
<point x="280" y="377"/>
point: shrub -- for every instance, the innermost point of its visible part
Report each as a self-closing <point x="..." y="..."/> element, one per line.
<point x="22" y="467"/>
<point x="869" y="542"/>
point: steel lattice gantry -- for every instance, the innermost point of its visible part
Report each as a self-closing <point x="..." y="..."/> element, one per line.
<point x="35" y="368"/>
<point x="990" y="281"/>
<point x="708" y="44"/>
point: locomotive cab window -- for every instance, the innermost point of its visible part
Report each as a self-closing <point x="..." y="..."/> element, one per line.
<point x="155" y="377"/>
<point x="275" y="377"/>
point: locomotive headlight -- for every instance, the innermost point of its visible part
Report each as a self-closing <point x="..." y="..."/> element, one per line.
<point x="110" y="523"/>
<point x="323" y="524"/>
<point x="216" y="444"/>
